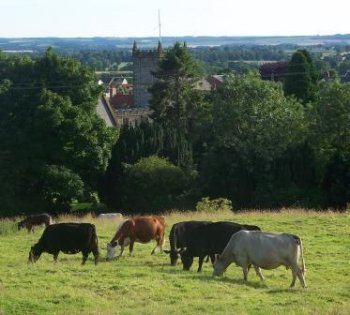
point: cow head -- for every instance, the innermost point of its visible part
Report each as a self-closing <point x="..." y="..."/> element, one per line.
<point x="111" y="250"/>
<point x="186" y="259"/>
<point x="34" y="255"/>
<point x="174" y="255"/>
<point x="219" y="266"/>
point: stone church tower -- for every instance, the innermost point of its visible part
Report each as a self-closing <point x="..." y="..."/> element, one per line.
<point x="144" y="62"/>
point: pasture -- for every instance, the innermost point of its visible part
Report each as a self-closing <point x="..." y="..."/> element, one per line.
<point x="145" y="284"/>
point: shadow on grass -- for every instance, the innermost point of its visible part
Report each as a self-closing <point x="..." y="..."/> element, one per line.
<point x="285" y="290"/>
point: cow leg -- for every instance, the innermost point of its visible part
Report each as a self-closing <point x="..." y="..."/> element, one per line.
<point x="245" y="273"/>
<point x="159" y="245"/>
<point x="55" y="255"/>
<point x="258" y="273"/>
<point x="121" y="249"/>
<point x="85" y="257"/>
<point x="96" y="254"/>
<point x="200" y="263"/>
<point x="301" y="279"/>
<point x="212" y="259"/>
<point x="296" y="272"/>
<point x="154" y="250"/>
<point x="131" y="247"/>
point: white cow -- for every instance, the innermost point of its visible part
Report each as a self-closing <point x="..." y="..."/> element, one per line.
<point x="262" y="250"/>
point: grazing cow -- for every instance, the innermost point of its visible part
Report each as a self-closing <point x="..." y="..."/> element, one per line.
<point x="209" y="240"/>
<point x="141" y="229"/>
<point x="262" y="250"/>
<point x="110" y="216"/>
<point x="178" y="238"/>
<point x="70" y="238"/>
<point x="35" y="220"/>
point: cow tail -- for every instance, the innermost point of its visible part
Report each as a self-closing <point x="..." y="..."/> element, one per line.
<point x="172" y="239"/>
<point x="303" y="269"/>
<point x="93" y="244"/>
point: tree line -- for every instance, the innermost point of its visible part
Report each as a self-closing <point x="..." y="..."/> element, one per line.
<point x="260" y="144"/>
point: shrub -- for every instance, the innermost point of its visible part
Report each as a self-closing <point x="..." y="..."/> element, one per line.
<point x="207" y="205"/>
<point x="153" y="185"/>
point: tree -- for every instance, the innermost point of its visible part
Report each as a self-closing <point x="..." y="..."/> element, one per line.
<point x="48" y="121"/>
<point x="301" y="80"/>
<point x="175" y="102"/>
<point x="253" y="125"/>
<point x="331" y="140"/>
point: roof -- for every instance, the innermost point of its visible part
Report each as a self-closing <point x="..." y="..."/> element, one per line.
<point x="105" y="111"/>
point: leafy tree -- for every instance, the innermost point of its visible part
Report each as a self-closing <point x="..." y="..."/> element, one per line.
<point x="302" y="77"/>
<point x="152" y="185"/>
<point x="48" y="121"/>
<point x="332" y="141"/>
<point x="253" y="125"/>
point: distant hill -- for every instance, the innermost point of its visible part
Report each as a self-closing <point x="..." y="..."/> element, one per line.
<point x="98" y="43"/>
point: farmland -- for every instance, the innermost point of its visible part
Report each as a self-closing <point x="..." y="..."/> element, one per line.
<point x="145" y="284"/>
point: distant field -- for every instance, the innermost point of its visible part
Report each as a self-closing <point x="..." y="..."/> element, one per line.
<point x="145" y="284"/>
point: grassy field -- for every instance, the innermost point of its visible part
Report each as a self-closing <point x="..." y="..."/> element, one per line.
<point x="145" y="284"/>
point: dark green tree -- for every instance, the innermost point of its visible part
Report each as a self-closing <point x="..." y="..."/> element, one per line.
<point x="302" y="78"/>
<point x="253" y="126"/>
<point x="175" y="101"/>
<point x="48" y="122"/>
<point x="331" y="139"/>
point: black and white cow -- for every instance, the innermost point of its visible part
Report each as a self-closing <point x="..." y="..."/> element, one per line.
<point x="209" y="240"/>
<point x="69" y="238"/>
<point x="263" y="250"/>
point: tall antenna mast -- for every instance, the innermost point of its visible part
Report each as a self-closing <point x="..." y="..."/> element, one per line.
<point x="159" y="27"/>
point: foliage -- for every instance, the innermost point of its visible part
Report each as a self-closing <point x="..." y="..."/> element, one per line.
<point x="48" y="121"/>
<point x="331" y="138"/>
<point x="213" y="205"/>
<point x="152" y="185"/>
<point x="302" y="78"/>
<point x="253" y="126"/>
<point x="174" y="100"/>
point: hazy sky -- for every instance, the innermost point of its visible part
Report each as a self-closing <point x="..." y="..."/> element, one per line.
<point x="133" y="18"/>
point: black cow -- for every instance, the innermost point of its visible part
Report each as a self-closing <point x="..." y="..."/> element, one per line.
<point x="178" y="237"/>
<point x="35" y="220"/>
<point x="209" y="240"/>
<point x="70" y="238"/>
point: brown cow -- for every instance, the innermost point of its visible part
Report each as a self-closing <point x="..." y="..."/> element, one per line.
<point x="35" y="220"/>
<point x="140" y="229"/>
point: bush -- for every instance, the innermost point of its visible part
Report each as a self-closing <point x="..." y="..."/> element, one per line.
<point x="153" y="185"/>
<point x="207" y="205"/>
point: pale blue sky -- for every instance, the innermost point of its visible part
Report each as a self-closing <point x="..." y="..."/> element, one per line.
<point x="135" y="18"/>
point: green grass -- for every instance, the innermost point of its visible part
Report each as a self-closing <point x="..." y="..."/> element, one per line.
<point x="145" y="284"/>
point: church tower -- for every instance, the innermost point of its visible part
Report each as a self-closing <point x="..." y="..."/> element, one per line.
<point x="144" y="63"/>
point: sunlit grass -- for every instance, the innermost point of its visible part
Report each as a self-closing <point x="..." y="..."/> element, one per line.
<point x="145" y="284"/>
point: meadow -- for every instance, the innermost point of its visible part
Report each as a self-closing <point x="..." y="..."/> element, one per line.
<point x="145" y="284"/>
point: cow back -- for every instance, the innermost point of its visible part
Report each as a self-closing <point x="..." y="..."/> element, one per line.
<point x="147" y="228"/>
<point x="68" y="237"/>
<point x="211" y="238"/>
<point x="181" y="231"/>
